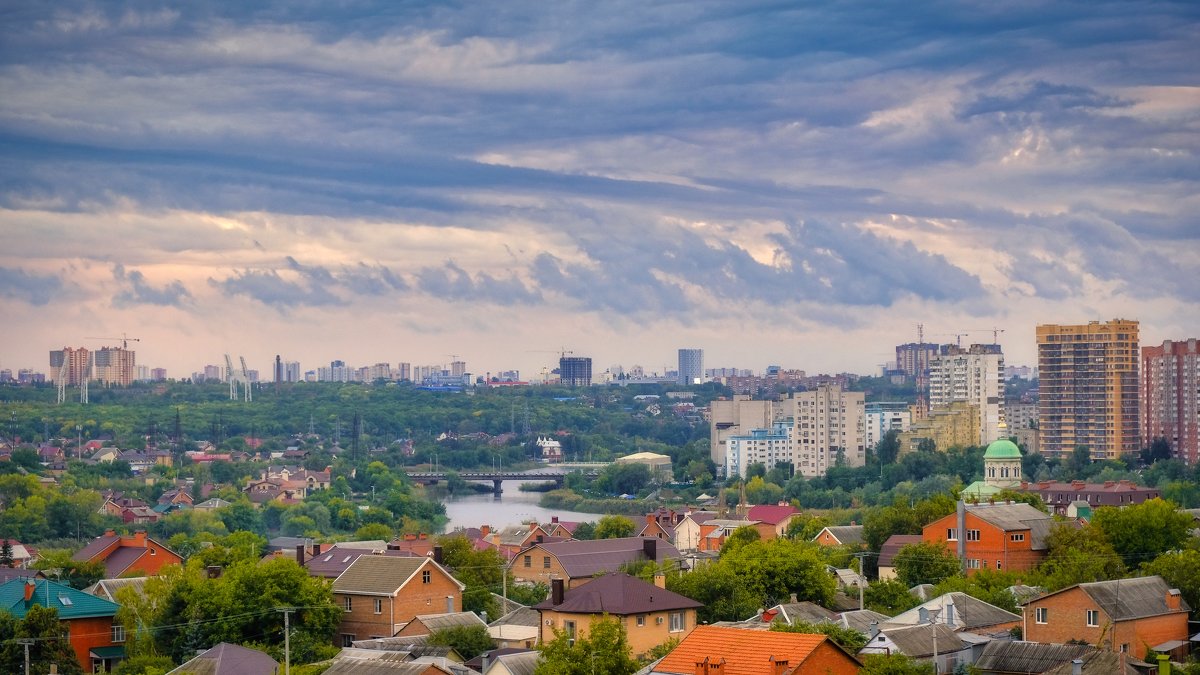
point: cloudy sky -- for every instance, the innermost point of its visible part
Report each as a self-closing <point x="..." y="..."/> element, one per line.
<point x="775" y="182"/>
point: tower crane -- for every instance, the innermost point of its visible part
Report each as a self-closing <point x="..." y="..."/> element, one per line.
<point x="236" y="377"/>
<point x="125" y="339"/>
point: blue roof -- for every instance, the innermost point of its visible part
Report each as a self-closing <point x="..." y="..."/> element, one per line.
<point x="70" y="603"/>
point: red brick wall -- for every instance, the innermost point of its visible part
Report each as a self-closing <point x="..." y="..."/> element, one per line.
<point x="414" y="598"/>
<point x="827" y="659"/>
<point x="994" y="544"/>
<point x="87" y="634"/>
<point x="1066" y="619"/>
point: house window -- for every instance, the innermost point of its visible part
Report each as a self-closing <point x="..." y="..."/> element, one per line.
<point x="998" y="565"/>
<point x="641" y="620"/>
<point x="972" y="535"/>
<point x="973" y="564"/>
<point x="1019" y="537"/>
<point x="569" y="631"/>
<point x="427" y="577"/>
<point x="951" y="534"/>
<point x="347" y="603"/>
<point x="1093" y="618"/>
<point x="379" y="605"/>
<point x="677" y="622"/>
<point x="546" y="562"/>
<point x="1039" y="615"/>
<point x="529" y="561"/>
<point x="118" y="633"/>
<point x="347" y="639"/>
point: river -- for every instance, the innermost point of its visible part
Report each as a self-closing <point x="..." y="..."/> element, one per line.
<point x="511" y="508"/>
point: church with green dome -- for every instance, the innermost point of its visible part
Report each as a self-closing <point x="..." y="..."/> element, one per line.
<point x="1001" y="471"/>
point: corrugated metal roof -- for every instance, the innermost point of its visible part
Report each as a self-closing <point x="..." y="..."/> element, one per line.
<point x="1132" y="598"/>
<point x="620" y="595"/>
<point x="229" y="659"/>
<point x="918" y="641"/>
<point x="861" y="619"/>
<point x="969" y="613"/>
<point x="524" y="663"/>
<point x="589" y="558"/>
<point x="850" y="535"/>
<point x="436" y="622"/>
<point x="1035" y="657"/>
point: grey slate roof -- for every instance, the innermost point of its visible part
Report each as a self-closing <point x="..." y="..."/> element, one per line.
<point x="382" y="664"/>
<point x="917" y="641"/>
<point x="969" y="613"/>
<point x="618" y="594"/>
<point x="523" y="663"/>
<point x="229" y="659"/>
<point x="436" y="622"/>
<point x="107" y="588"/>
<point x="379" y="574"/>
<point x="860" y="619"/>
<point x="850" y="535"/>
<point x="1034" y="657"/>
<point x="792" y="612"/>
<point x="1016" y="518"/>
<point x="588" y="558"/>
<point x="1126" y="599"/>
<point x="524" y="616"/>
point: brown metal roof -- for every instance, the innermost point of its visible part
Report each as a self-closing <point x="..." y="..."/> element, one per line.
<point x="618" y="594"/>
<point x="589" y="558"/>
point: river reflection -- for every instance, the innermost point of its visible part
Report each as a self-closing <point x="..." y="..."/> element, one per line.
<point x="511" y="508"/>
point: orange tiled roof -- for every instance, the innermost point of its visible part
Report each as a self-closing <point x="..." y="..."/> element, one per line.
<point x="746" y="652"/>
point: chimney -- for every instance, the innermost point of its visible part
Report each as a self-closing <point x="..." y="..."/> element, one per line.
<point x="437" y="554"/>
<point x="139" y="538"/>
<point x="485" y="530"/>
<point x="792" y="598"/>
<point x="650" y="518"/>
<point x="556" y="591"/>
<point x="962" y="535"/>
<point x="532" y="525"/>
<point x="300" y="554"/>
<point x="449" y="604"/>
<point x="483" y="662"/>
<point x="110" y="533"/>
<point x="873" y="630"/>
<point x="422" y="536"/>
<point x="710" y="667"/>
<point x="778" y="666"/>
<point x="30" y="587"/>
<point x="1077" y="667"/>
<point x="660" y="580"/>
<point x="648" y="548"/>
<point x="1173" y="598"/>
<point x="553" y="519"/>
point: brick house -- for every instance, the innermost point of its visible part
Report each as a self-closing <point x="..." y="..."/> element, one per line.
<point x="650" y="613"/>
<point x="718" y="650"/>
<point x="887" y="553"/>
<point x="840" y="535"/>
<point x="773" y="519"/>
<point x="123" y="554"/>
<point x="578" y="562"/>
<point x="427" y="624"/>
<point x="998" y="536"/>
<point x="1128" y="615"/>
<point x="380" y="594"/>
<point x="687" y="532"/>
<point x="97" y="639"/>
<point x="714" y="532"/>
<point x="1058" y="496"/>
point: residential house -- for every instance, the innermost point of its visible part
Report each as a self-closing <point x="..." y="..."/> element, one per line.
<point x="959" y="611"/>
<point x="427" y="624"/>
<point x="9" y="573"/>
<point x="687" y="531"/>
<point x="380" y="662"/>
<point x="379" y="594"/>
<point x="1128" y="615"/>
<point x="212" y="504"/>
<point x="506" y="662"/>
<point x="1058" y="496"/>
<point x="792" y="612"/>
<point x="998" y="536"/>
<point x="714" y="532"/>
<point x="887" y="553"/>
<point x="561" y="529"/>
<point x="123" y="555"/>
<point x="98" y="640"/>
<point x="22" y="554"/>
<point x="578" y="562"/>
<point x="1032" y="658"/>
<point x="229" y="659"/>
<point x="718" y="650"/>
<point x="107" y="588"/>
<point x="841" y="535"/>
<point x="331" y="562"/>
<point x="660" y="523"/>
<point x="650" y="614"/>
<point x="519" y="628"/>
<point x="176" y="496"/>
<point x="935" y="642"/>
<point x="773" y="519"/>
<point x="864" y="621"/>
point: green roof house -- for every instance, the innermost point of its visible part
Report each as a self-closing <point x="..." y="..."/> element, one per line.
<point x="96" y="638"/>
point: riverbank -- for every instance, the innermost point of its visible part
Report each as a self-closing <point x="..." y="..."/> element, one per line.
<point x="568" y="499"/>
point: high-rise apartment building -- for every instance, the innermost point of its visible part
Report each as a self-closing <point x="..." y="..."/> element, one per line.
<point x="291" y="371"/>
<point x="769" y="447"/>
<point x="882" y="417"/>
<point x="691" y="366"/>
<point x="115" y="366"/>
<point x="913" y="358"/>
<point x="1089" y="388"/>
<point x="828" y="427"/>
<point x="575" y="371"/>
<point x="76" y="361"/>
<point x="736" y="417"/>
<point x="458" y="368"/>
<point x="974" y="375"/>
<point x="1171" y="396"/>
<point x="404" y="371"/>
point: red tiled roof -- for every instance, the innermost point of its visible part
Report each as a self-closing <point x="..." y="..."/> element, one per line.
<point x="770" y="514"/>
<point x="746" y="652"/>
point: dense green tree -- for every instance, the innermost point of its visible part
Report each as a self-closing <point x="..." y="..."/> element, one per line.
<point x="58" y="564"/>
<point x="144" y="665"/>
<point x="584" y="531"/>
<point x="468" y="641"/>
<point x="1142" y="532"/>
<point x="850" y="639"/>
<point x="1077" y="555"/>
<point x="483" y="573"/>
<point x="889" y="597"/>
<point x="1180" y="569"/>
<point x="1158" y="450"/>
<point x="50" y="643"/>
<point x="242" y="515"/>
<point x="739" y="538"/>
<point x="925" y="563"/>
<point x="605" y="649"/>
<point x="614" y="527"/>
<point x="894" y="664"/>
<point x="373" y="531"/>
<point x="6" y="553"/>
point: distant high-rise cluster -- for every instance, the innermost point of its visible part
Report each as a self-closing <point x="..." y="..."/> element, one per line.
<point x="1171" y="392"/>
<point x="976" y="376"/>
<point x="1089" y="388"/>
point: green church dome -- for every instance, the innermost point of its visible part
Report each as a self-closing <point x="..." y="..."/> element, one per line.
<point x="1002" y="449"/>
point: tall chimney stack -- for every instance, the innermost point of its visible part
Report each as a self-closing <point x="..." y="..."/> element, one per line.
<point x="556" y="591"/>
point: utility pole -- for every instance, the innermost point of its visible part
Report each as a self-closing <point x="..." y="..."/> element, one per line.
<point x="861" y="582"/>
<point x="27" y="642"/>
<point x="287" y="638"/>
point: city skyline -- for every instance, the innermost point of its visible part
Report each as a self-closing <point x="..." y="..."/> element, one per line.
<point x="773" y="185"/>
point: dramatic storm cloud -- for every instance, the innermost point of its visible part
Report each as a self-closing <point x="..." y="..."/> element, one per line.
<point x="378" y="181"/>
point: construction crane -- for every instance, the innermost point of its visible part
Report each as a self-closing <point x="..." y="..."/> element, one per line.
<point x="238" y="377"/>
<point x="125" y="339"/>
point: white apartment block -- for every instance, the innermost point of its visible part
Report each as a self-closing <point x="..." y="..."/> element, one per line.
<point x="827" y="424"/>
<point x="884" y="416"/>
<point x="768" y="447"/>
<point x="736" y="417"/>
<point x="975" y="376"/>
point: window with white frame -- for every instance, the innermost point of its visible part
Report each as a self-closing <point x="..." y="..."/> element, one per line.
<point x="1039" y="614"/>
<point x="347" y="604"/>
<point x="972" y="535"/>
<point x="1093" y="618"/>
<point x="118" y="632"/>
<point x="951" y="534"/>
<point x="677" y="622"/>
<point x="379" y="605"/>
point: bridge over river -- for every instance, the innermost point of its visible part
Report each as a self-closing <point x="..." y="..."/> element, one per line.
<point x="557" y="476"/>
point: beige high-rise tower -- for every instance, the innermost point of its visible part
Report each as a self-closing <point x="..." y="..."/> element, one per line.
<point x="1088" y="388"/>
